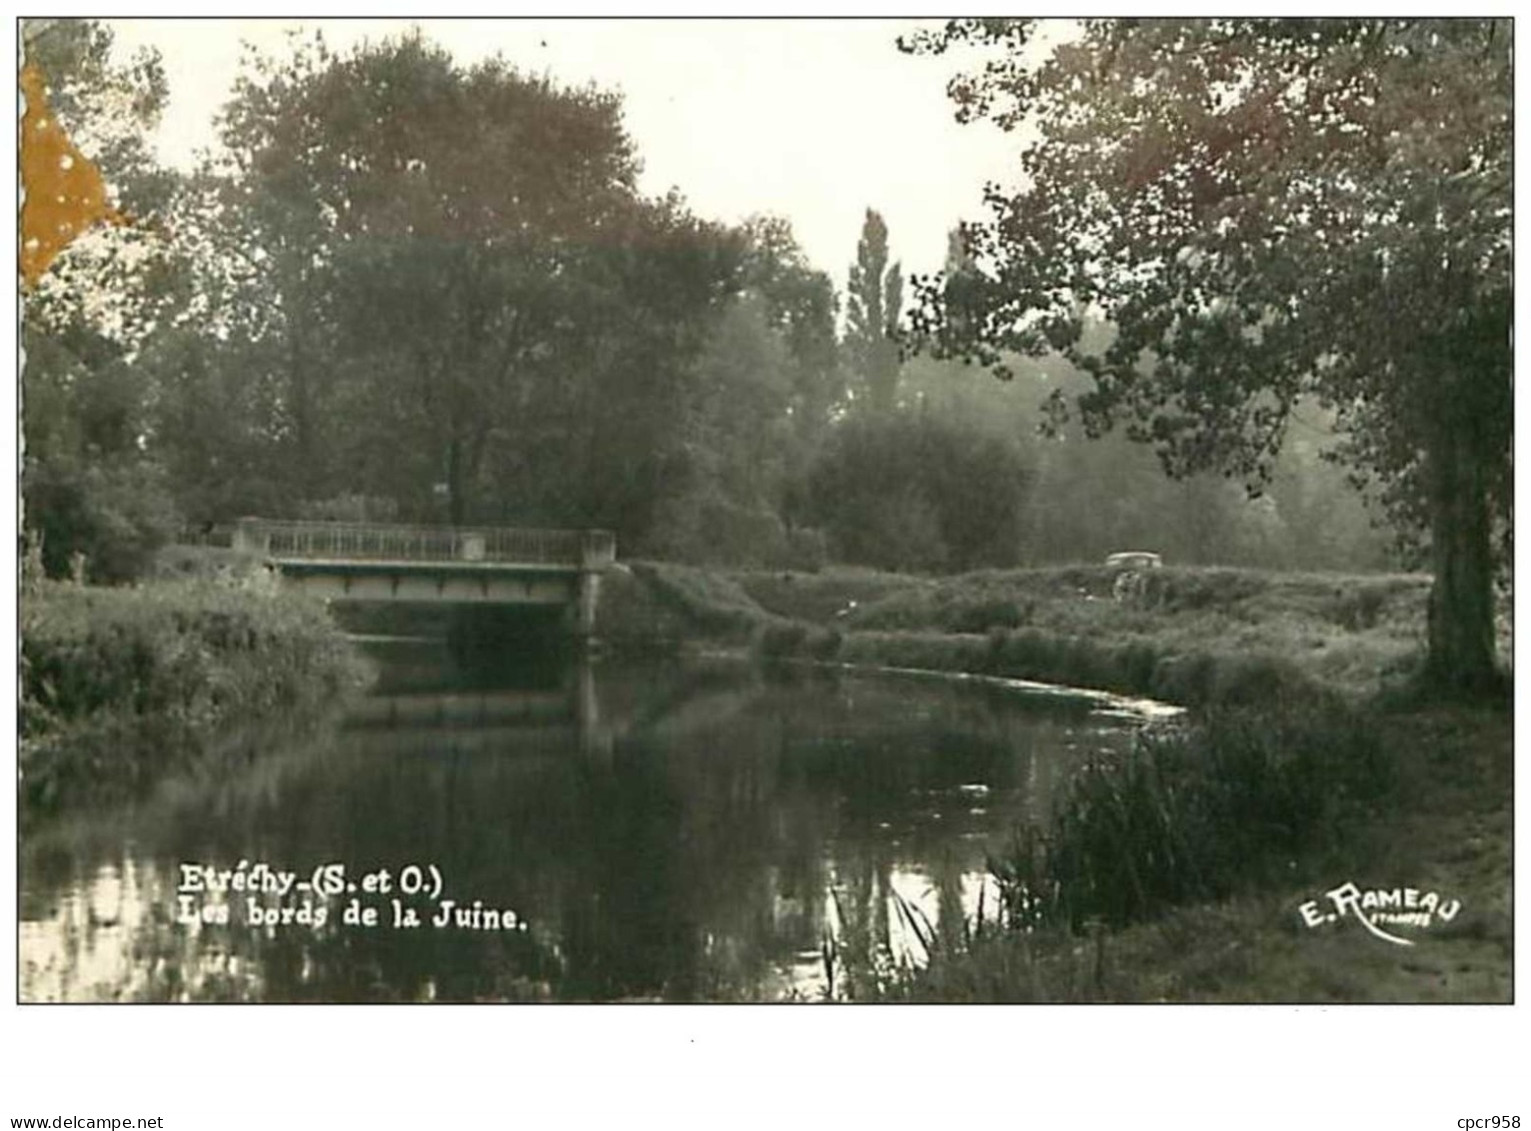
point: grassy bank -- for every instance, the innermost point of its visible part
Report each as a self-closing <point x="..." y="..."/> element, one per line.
<point x="119" y="686"/>
<point x="664" y="607"/>
<point x="1222" y="923"/>
<point x="1191" y="636"/>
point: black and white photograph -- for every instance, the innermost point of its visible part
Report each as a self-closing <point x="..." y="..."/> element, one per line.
<point x="1004" y="511"/>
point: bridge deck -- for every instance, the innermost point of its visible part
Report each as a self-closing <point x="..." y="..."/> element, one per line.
<point x="419" y="565"/>
<point x="351" y="544"/>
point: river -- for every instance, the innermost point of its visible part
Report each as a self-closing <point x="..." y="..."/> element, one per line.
<point x="573" y="832"/>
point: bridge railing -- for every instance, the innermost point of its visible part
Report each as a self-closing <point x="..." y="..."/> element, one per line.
<point x="351" y="541"/>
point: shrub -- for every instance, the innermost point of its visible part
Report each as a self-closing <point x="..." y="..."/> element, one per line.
<point x="1250" y="680"/>
<point x="1185" y="679"/>
<point x="981" y="616"/>
<point x="115" y="513"/>
<point x="781" y="639"/>
<point x="1359" y="609"/>
<point x="707" y="603"/>
<point x="118" y="684"/>
<point x="824" y="643"/>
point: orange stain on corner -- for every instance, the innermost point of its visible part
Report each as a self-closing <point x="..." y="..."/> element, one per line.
<point x="65" y="194"/>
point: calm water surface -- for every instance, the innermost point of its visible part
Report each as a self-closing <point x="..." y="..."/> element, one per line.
<point x="594" y="832"/>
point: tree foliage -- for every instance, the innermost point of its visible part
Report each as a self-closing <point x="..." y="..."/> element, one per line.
<point x="412" y="290"/>
<point x="90" y="490"/>
<point x="913" y="489"/>
<point x="459" y="287"/>
<point x="1264" y="210"/>
<point x="874" y="298"/>
<point x="800" y="304"/>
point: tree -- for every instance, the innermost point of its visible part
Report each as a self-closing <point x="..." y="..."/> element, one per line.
<point x="1265" y="210"/>
<point x="738" y="440"/>
<point x="874" y="298"/>
<point x="91" y="303"/>
<point x="606" y="440"/>
<point x="917" y="489"/>
<point x="800" y="305"/>
<point x="413" y="208"/>
<point x="765" y="388"/>
<point x="84" y="154"/>
<point x="462" y="284"/>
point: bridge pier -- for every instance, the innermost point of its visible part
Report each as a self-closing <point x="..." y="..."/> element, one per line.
<point x="597" y="553"/>
<point x="585" y="604"/>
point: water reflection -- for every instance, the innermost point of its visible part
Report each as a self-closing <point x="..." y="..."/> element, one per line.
<point x="660" y="833"/>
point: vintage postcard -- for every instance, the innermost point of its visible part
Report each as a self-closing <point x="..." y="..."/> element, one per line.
<point x="841" y="511"/>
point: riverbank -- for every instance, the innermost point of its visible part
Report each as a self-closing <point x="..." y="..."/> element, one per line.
<point x="1190" y="636"/>
<point x="1318" y="661"/>
<point x="1443" y="835"/>
<point x="120" y="686"/>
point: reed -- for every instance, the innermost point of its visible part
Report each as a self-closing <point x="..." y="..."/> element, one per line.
<point x="1241" y="800"/>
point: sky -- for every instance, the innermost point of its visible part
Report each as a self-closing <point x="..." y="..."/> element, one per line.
<point x="813" y="120"/>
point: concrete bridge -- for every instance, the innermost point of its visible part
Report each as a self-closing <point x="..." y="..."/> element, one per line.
<point x="355" y="561"/>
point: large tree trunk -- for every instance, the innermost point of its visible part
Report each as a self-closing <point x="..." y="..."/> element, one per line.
<point x="1461" y="648"/>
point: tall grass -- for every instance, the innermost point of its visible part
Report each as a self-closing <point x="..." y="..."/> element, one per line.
<point x="859" y="959"/>
<point x="1241" y="802"/>
<point x="1191" y="814"/>
<point x="1080" y="598"/>
<point x="1129" y="665"/>
<point x="119" y="684"/>
<point x="1193" y="636"/>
